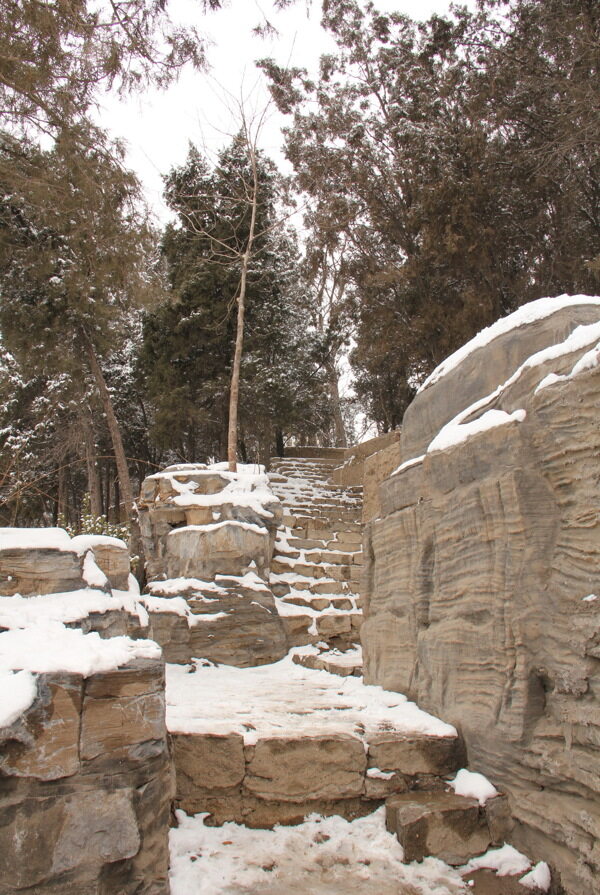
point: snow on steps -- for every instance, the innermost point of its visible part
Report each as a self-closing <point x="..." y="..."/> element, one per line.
<point x="317" y="562"/>
<point x="274" y="743"/>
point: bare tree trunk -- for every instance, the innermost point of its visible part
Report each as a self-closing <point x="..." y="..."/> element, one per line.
<point x="61" y="501"/>
<point x="93" y="477"/>
<point x="341" y="439"/>
<point x="126" y="492"/>
<point x="234" y="392"/>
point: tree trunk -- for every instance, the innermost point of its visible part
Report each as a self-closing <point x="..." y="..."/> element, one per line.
<point x="126" y="492"/>
<point x="93" y="477"/>
<point x="61" y="500"/>
<point x="234" y="393"/>
<point x="341" y="439"/>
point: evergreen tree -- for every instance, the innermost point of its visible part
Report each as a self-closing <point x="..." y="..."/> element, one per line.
<point x="460" y="158"/>
<point x="189" y="340"/>
<point x="72" y="269"/>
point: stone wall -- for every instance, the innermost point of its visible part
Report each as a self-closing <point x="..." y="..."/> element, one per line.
<point x="352" y="470"/>
<point x="282" y="779"/>
<point x="482" y="574"/>
<point x="86" y="786"/>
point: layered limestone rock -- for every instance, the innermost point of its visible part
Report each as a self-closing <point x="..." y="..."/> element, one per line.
<point x="199" y="520"/>
<point x="85" y="775"/>
<point x="483" y="569"/>
<point x="208" y="537"/>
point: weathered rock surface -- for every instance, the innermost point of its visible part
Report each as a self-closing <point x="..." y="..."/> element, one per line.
<point x="86" y="786"/>
<point x="481" y="582"/>
<point x="282" y="779"/>
<point x="111" y="556"/>
<point x="38" y="561"/>
<point x="197" y="520"/>
<point x="446" y="826"/>
<point x="229" y="548"/>
<point x="231" y="623"/>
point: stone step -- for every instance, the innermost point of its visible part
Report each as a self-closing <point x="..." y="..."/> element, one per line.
<point x="344" y="663"/>
<point x="268" y="766"/>
<point x="444" y="825"/>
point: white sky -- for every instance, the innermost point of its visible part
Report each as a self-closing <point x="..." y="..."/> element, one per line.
<point x="158" y="125"/>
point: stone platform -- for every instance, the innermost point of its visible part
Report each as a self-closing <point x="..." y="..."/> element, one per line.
<point x="272" y="744"/>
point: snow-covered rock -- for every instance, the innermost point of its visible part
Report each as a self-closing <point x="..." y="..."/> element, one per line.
<point x="480" y="567"/>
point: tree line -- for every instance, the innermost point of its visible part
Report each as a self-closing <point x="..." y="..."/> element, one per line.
<point x="449" y="171"/>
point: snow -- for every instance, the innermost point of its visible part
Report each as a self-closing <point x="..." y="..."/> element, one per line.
<point x="321" y="856"/>
<point x="88" y="542"/>
<point x="176" y="586"/>
<point x="456" y="432"/>
<point x="19" y="612"/>
<point x="35" y="539"/>
<point x="250" y="580"/>
<point x="214" y="526"/>
<point x="179" y="606"/>
<point x="287" y="699"/>
<point x="92" y="573"/>
<point x="49" y="646"/>
<point x="17" y="692"/>
<point x="473" y="785"/>
<point x="529" y="313"/>
<point x="538" y="878"/>
<point x="587" y="361"/>
<point x="408" y="463"/>
<point x="248" y="487"/>
<point x="505" y="861"/>
<point x="377" y="774"/>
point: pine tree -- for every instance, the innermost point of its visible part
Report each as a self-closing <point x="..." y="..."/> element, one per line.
<point x="189" y="342"/>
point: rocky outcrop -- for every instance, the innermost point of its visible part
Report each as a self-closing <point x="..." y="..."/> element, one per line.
<point x="483" y="570"/>
<point x="86" y="783"/>
<point x="208" y="537"/>
<point x="39" y="561"/>
<point x="197" y="521"/>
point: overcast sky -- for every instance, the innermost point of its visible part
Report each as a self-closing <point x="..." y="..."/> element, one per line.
<point x="158" y="125"/>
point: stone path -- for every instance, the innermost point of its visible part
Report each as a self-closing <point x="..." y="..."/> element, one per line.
<point x="317" y="563"/>
<point x="258" y="747"/>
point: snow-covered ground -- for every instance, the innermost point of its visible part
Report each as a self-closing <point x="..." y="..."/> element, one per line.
<point x="285" y="699"/>
<point x="322" y="856"/>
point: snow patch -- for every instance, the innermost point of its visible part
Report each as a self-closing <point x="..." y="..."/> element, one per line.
<point x="286" y="698"/>
<point x="17" y="693"/>
<point x="320" y="855"/>
<point x="505" y="861"/>
<point x="538" y="878"/>
<point x="92" y="573"/>
<point x="35" y="539"/>
<point x="456" y="432"/>
<point x="49" y="646"/>
<point x="473" y="786"/>
<point x="529" y="313"/>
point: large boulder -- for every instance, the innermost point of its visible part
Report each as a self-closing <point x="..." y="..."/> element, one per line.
<point x="38" y="561"/>
<point x="85" y="774"/>
<point x="197" y="520"/>
<point x="483" y="570"/>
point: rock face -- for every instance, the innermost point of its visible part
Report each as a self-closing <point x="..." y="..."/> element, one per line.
<point x="282" y="779"/>
<point x="38" y="561"/>
<point x="234" y="623"/>
<point x="86" y="786"/>
<point x="483" y="569"/>
<point x="208" y="538"/>
<point x="198" y="520"/>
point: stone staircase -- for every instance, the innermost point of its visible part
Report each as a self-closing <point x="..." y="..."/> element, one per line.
<point x="317" y="562"/>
